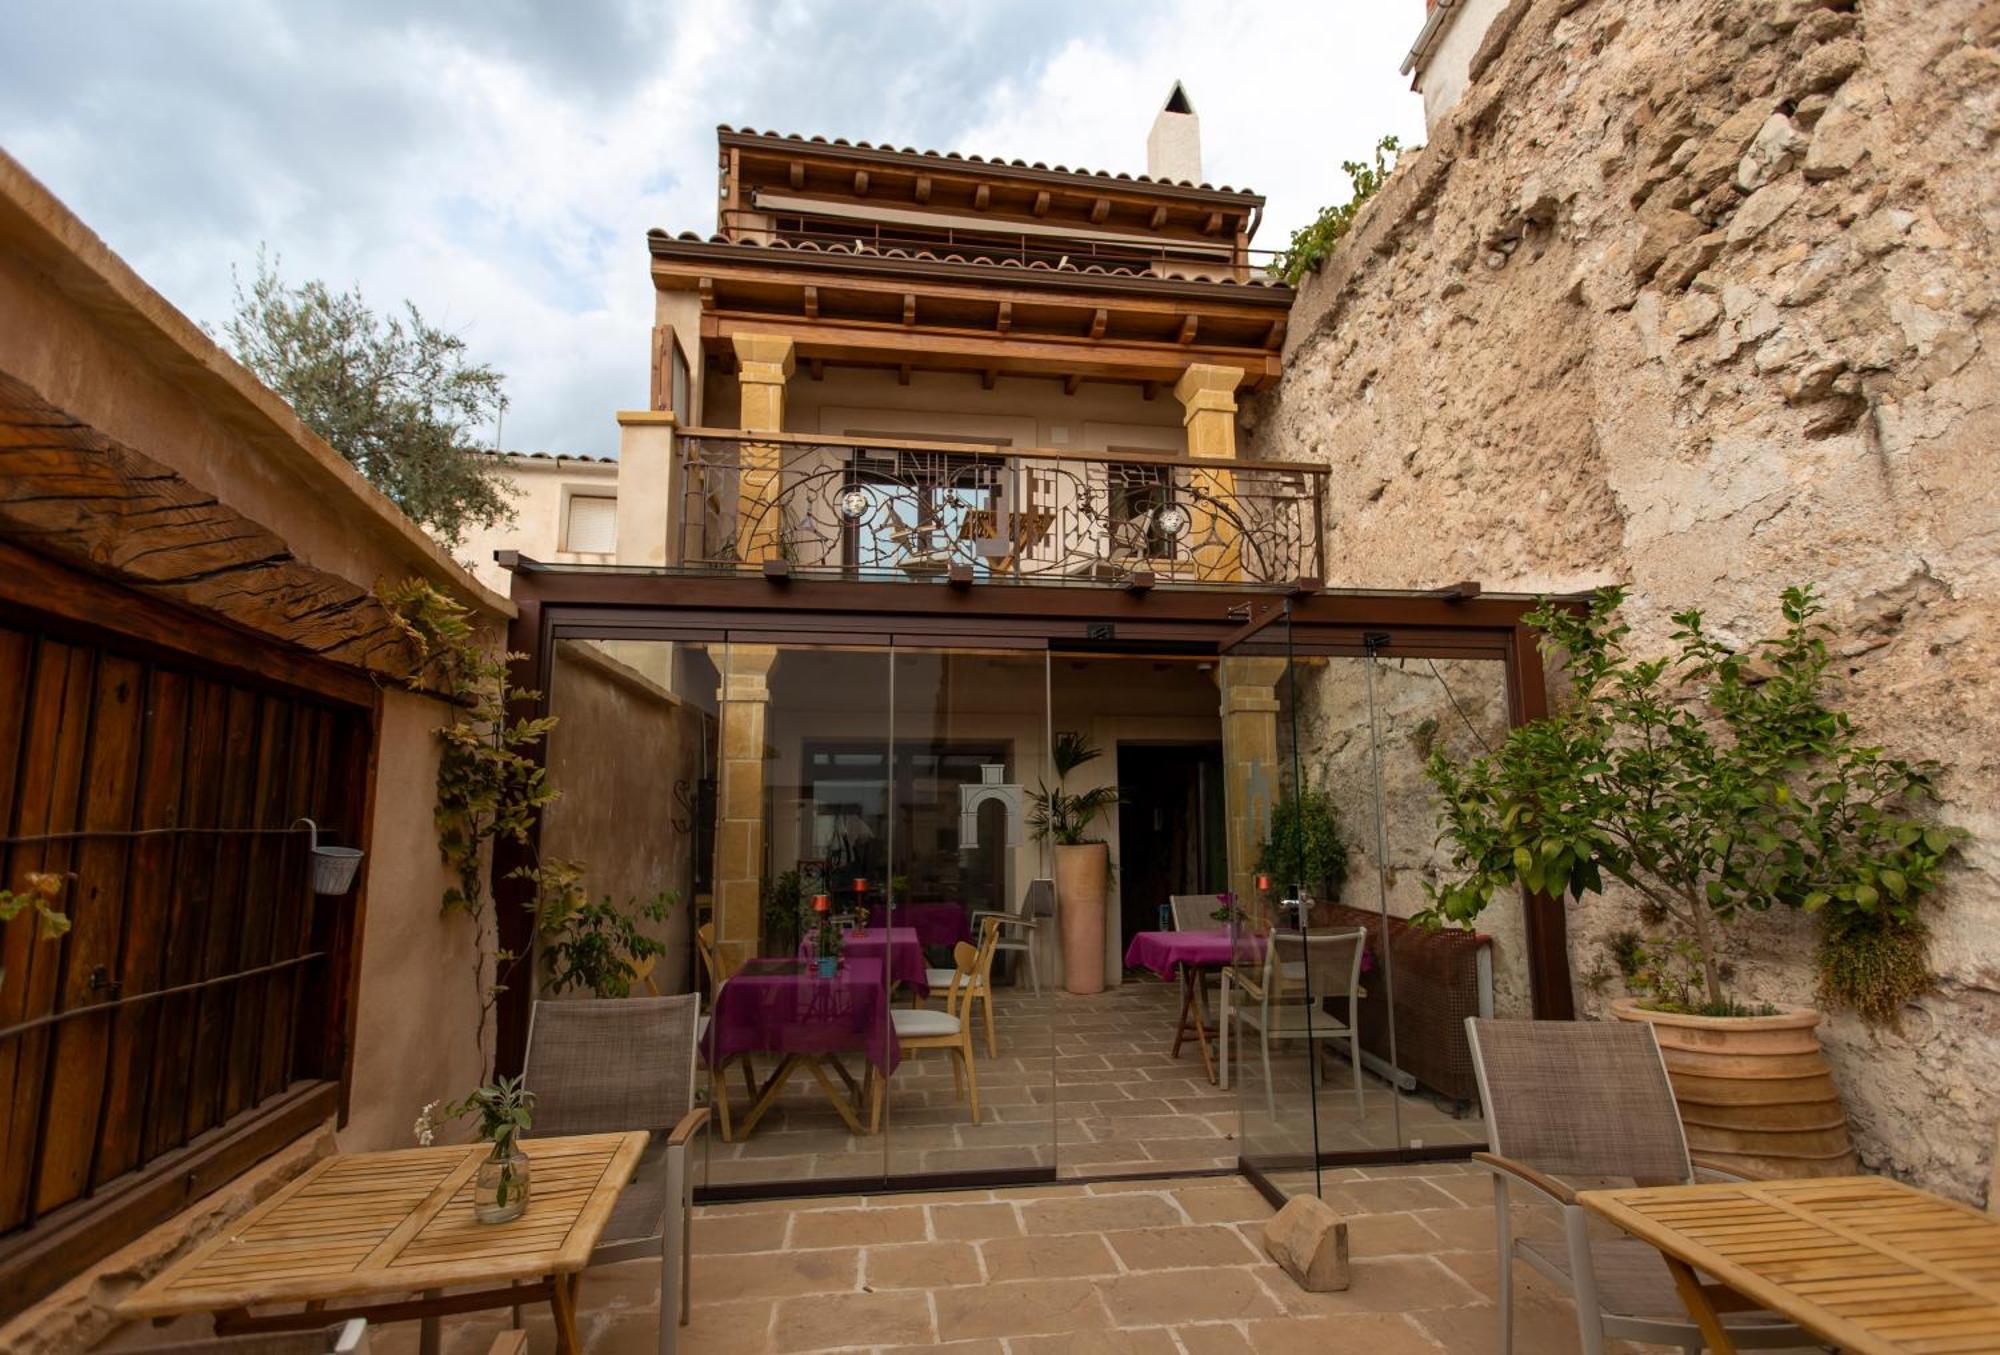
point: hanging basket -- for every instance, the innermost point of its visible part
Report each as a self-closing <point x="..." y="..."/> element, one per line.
<point x="333" y="868"/>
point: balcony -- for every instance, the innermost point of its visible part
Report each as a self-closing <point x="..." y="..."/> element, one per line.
<point x="973" y="512"/>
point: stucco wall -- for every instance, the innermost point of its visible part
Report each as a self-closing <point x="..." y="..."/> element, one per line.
<point x="542" y="488"/>
<point x="621" y="747"/>
<point x="1447" y="68"/>
<point x="1698" y="295"/>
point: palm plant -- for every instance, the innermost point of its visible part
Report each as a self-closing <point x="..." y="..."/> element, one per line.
<point x="1059" y="816"/>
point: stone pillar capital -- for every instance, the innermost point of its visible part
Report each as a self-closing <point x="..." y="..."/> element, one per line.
<point x="1206" y="388"/>
<point x="765" y="359"/>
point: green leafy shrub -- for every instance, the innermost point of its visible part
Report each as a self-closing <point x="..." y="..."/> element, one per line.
<point x="598" y="946"/>
<point x="1312" y="244"/>
<point x="1305" y="846"/>
<point x="1714" y="784"/>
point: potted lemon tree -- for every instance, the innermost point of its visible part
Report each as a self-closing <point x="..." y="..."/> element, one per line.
<point x="1711" y="785"/>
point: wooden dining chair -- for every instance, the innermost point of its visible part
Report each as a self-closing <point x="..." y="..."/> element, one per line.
<point x="919" y="1028"/>
<point x="981" y="988"/>
<point x="615" y="1065"/>
<point x="718" y="1082"/>
<point x="1591" y="1099"/>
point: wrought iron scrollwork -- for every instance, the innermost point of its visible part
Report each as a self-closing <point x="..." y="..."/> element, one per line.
<point x="910" y="512"/>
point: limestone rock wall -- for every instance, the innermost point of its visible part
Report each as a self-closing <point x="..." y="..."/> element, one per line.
<point x="1698" y="295"/>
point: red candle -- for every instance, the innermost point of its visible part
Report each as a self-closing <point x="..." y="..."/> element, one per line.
<point x="820" y="903"/>
<point x="1264" y="883"/>
<point x="861" y="886"/>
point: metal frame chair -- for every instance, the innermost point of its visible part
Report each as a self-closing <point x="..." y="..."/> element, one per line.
<point x="1591" y="1099"/>
<point x="1037" y="902"/>
<point x="1301" y="971"/>
<point x="1194" y="912"/>
<point x="618" y="1064"/>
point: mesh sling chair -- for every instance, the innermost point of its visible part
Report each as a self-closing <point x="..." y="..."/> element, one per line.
<point x="1591" y="1099"/>
<point x="615" y="1064"/>
<point x="1308" y="988"/>
<point x="340" y="1338"/>
<point x="1019" y="924"/>
<point x="1195" y="912"/>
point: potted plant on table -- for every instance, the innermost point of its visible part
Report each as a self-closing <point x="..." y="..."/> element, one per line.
<point x="505" y="1110"/>
<point x="1082" y="862"/>
<point x="1712" y="785"/>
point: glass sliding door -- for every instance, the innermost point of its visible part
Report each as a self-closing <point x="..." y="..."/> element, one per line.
<point x="966" y="885"/>
<point x="1347" y="1017"/>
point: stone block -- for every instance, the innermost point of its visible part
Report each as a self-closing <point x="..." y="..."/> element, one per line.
<point x="1827" y="65"/>
<point x="1310" y="1241"/>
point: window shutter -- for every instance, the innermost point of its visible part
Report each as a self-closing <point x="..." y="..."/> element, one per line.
<point x="593" y="525"/>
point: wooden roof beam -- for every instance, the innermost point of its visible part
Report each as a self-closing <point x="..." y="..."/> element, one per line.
<point x="982" y="197"/>
<point x="860" y="183"/>
<point x="1070" y="383"/>
<point x="1213" y="225"/>
<point x="816" y="368"/>
<point x="812" y="302"/>
<point x="988" y="376"/>
<point x="1098" y="320"/>
<point x="1099" y="210"/>
<point x="1159" y="218"/>
<point x="796" y="173"/>
<point x="1005" y="320"/>
<point x="1189" y="328"/>
<point x="922" y="191"/>
<point x="1041" y="207"/>
<point x="1274" y="337"/>
<point x="909" y="308"/>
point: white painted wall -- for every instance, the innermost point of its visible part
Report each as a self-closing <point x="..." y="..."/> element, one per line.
<point x="1445" y="71"/>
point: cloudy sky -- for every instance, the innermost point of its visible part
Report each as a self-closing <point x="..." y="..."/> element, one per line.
<point x="499" y="161"/>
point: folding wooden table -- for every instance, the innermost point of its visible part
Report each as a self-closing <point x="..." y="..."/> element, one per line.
<point x="1868" y="1264"/>
<point x="355" y="1232"/>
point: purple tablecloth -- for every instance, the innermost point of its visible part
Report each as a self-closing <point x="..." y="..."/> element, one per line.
<point x="936" y="924"/>
<point x="778" y="1006"/>
<point x="906" y="953"/>
<point x="1164" y="952"/>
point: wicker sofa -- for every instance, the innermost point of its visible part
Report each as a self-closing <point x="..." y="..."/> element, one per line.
<point x="1441" y="977"/>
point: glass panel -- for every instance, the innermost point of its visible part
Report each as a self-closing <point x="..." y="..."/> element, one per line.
<point x="804" y="841"/>
<point x="971" y="730"/>
<point x="1138" y="1095"/>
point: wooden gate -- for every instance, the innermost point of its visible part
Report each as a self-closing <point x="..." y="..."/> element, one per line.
<point x="196" y="1014"/>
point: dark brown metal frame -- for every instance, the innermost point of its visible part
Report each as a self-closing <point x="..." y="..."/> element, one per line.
<point x="574" y="602"/>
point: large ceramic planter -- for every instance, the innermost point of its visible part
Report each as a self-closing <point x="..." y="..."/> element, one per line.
<point x="1755" y="1093"/>
<point x="1082" y="873"/>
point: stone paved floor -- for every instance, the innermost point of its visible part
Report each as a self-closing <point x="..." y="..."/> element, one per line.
<point x="1129" y="1268"/>
<point x="1086" y="1083"/>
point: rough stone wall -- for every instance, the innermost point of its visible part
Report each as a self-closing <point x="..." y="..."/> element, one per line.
<point x="1698" y="296"/>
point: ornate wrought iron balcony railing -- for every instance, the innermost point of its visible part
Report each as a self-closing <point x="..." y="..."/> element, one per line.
<point x="917" y="510"/>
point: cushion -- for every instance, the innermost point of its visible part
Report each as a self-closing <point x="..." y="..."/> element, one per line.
<point x="921" y="1022"/>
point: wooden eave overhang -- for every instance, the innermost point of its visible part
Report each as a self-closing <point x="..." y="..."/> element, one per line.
<point x="899" y="310"/>
<point x="1001" y="190"/>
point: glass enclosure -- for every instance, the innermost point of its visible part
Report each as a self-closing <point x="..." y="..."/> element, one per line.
<point x="1345" y="1019"/>
<point x="1206" y="962"/>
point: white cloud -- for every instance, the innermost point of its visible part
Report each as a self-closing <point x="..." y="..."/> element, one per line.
<point x="499" y="163"/>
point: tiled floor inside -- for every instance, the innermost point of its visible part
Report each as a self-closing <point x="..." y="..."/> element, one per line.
<point x="1088" y="1084"/>
<point x="1130" y="1268"/>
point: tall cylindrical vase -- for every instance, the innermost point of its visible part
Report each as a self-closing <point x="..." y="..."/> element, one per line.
<point x="1082" y="872"/>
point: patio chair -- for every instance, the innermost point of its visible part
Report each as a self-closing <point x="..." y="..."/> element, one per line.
<point x="1288" y="999"/>
<point x="1195" y="912"/>
<point x="1591" y="1099"/>
<point x="619" y="1064"/>
<point x="339" y="1338"/>
<point x="919" y="1028"/>
<point x="1020" y="923"/>
<point x="712" y="966"/>
<point x="981" y="987"/>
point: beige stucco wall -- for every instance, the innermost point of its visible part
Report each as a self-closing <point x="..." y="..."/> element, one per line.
<point x="1697" y="295"/>
<point x="621" y="747"/>
<point x="541" y="487"/>
<point x="1445" y="70"/>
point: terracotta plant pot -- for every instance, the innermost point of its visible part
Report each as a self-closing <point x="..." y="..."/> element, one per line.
<point x="1755" y="1093"/>
<point x="1082" y="871"/>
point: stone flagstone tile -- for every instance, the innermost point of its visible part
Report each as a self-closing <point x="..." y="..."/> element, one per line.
<point x="727" y="1233"/>
<point x="1029" y="1308"/>
<point x="1375" y="1333"/>
<point x="1213" y="1338"/>
<point x="974" y="1221"/>
<point x="836" y="1321"/>
<point x="1380" y="1284"/>
<point x="772" y="1274"/>
<point x="1028" y="1258"/>
<point x="920" y="1265"/>
<point x="1170" y="1297"/>
<point x="1099" y="1214"/>
<point x="1182" y="1247"/>
<point x="1140" y="1341"/>
<point x="858" y="1227"/>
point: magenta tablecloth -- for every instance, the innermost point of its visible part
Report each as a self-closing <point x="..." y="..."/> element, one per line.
<point x="1164" y="952"/>
<point x="781" y="1006"/>
<point x="906" y="953"/>
<point x="936" y="924"/>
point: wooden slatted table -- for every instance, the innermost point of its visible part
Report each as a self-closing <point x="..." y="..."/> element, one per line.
<point x="1871" y="1265"/>
<point x="354" y="1232"/>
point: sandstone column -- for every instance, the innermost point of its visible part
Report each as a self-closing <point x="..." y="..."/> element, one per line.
<point x="1250" y="770"/>
<point x="1208" y="394"/>
<point x="764" y="363"/>
<point x="744" y="699"/>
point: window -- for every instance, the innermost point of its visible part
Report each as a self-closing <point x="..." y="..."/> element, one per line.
<point x="677" y="381"/>
<point x="590" y="526"/>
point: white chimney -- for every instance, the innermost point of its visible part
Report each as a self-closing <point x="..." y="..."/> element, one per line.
<point x="1173" y="147"/>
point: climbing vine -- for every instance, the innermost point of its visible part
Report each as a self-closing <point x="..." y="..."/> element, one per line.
<point x="1312" y="244"/>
